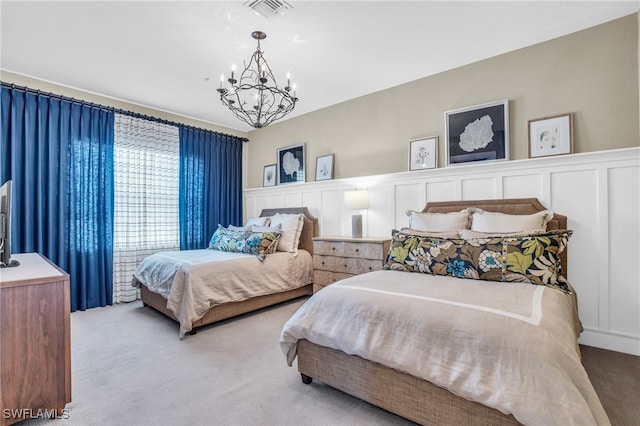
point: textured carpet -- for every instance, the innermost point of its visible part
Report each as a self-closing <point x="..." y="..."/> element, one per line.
<point x="130" y="368"/>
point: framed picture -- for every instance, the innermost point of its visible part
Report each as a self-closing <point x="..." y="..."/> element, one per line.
<point x="478" y="133"/>
<point x="291" y="164"/>
<point x="551" y="136"/>
<point x="324" y="167"/>
<point x="269" y="175"/>
<point x="423" y="153"/>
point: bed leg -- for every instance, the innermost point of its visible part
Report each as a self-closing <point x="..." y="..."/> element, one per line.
<point x="306" y="379"/>
<point x="192" y="332"/>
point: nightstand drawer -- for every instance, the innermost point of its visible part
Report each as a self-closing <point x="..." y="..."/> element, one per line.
<point x="323" y="278"/>
<point x="350" y="265"/>
<point x="364" y="250"/>
<point x="337" y="258"/>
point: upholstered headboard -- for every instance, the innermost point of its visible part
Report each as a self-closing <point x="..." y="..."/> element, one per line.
<point x="309" y="230"/>
<point x="508" y="206"/>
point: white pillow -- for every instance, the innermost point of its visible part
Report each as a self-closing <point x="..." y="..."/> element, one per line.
<point x="291" y="229"/>
<point x="259" y="221"/>
<point x="256" y="228"/>
<point x="468" y="234"/>
<point x="438" y="222"/>
<point x="237" y="228"/>
<point x="484" y="221"/>
<point x="431" y="234"/>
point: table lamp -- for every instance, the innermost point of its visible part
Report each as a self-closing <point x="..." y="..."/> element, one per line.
<point x="356" y="200"/>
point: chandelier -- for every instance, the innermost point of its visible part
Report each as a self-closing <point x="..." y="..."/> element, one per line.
<point x="254" y="97"/>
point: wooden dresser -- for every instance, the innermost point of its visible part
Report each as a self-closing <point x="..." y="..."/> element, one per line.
<point x="35" y="358"/>
<point x="337" y="258"/>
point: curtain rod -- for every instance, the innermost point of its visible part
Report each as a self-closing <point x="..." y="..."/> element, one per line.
<point x="113" y="109"/>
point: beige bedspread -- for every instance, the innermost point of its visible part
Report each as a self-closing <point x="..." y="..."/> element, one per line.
<point x="193" y="281"/>
<point x="512" y="347"/>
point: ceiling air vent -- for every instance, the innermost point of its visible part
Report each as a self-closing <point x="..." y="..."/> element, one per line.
<point x="268" y="8"/>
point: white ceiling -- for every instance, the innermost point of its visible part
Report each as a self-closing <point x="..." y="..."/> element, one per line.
<point x="161" y="53"/>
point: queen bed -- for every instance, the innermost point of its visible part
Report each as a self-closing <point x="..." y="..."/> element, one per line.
<point x="200" y="287"/>
<point x="441" y="348"/>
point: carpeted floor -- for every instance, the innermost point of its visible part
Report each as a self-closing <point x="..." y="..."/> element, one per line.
<point x="130" y="368"/>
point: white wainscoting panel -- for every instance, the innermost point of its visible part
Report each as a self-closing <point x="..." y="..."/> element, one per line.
<point x="405" y="199"/>
<point x="523" y="186"/>
<point x="476" y="188"/>
<point x="599" y="192"/>
<point x="624" y="224"/>
<point x="441" y="191"/>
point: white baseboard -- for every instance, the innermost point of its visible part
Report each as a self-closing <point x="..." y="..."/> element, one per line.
<point x="612" y="342"/>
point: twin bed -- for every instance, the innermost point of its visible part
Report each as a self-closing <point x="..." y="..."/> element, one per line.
<point x="200" y="287"/>
<point x="437" y="347"/>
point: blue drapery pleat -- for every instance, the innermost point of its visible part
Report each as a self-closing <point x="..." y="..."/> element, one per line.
<point x="210" y="185"/>
<point x="59" y="155"/>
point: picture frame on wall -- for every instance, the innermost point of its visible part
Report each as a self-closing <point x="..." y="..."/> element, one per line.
<point x="423" y="153"/>
<point x="550" y="135"/>
<point x="324" y="167"/>
<point x="478" y="133"/>
<point x="269" y="175"/>
<point x="291" y="164"/>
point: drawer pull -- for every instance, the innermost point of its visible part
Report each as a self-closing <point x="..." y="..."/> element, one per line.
<point x="323" y="262"/>
<point x="333" y="248"/>
<point x="357" y="250"/>
<point x="370" y="268"/>
<point x="344" y="265"/>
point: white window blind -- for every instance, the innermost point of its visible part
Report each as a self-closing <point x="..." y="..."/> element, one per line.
<point x="146" y="214"/>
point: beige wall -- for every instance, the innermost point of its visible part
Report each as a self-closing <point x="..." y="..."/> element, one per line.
<point x="592" y="73"/>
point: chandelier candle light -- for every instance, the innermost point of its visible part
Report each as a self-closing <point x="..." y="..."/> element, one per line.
<point x="255" y="97"/>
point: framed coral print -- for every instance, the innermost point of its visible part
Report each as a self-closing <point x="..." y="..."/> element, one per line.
<point x="269" y="175"/>
<point x="478" y="133"/>
<point x="423" y="153"/>
<point x="291" y="164"/>
<point x="324" y="167"/>
<point x="551" y="136"/>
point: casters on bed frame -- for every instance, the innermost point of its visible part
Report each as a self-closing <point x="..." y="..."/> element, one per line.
<point x="306" y="379"/>
<point x="192" y="332"/>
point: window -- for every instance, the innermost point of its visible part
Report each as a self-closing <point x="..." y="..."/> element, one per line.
<point x="146" y="182"/>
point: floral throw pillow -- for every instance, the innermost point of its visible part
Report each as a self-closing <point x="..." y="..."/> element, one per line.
<point x="258" y="243"/>
<point x="533" y="259"/>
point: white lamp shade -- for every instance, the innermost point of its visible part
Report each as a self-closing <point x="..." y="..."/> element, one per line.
<point x="356" y="200"/>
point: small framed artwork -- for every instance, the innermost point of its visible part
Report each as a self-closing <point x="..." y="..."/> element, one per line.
<point x="324" y="167"/>
<point x="423" y="153"/>
<point x="291" y="164"/>
<point x="551" y="136"/>
<point x="269" y="175"/>
<point x="478" y="133"/>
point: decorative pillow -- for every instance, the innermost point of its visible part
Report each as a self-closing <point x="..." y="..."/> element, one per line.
<point x="291" y="225"/>
<point x="447" y="234"/>
<point x="468" y="234"/>
<point x="484" y="221"/>
<point x="529" y="259"/>
<point x="258" y="243"/>
<point x="438" y="222"/>
<point x="259" y="221"/>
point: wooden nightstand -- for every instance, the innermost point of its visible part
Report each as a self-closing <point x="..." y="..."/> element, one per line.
<point x="337" y="258"/>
